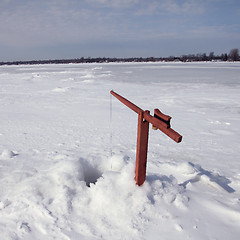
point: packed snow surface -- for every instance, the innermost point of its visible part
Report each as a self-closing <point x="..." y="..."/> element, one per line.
<point x="67" y="152"/>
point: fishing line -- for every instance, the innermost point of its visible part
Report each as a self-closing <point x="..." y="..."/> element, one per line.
<point x="110" y="126"/>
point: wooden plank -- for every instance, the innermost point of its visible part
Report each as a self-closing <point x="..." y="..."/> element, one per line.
<point x="129" y="104"/>
<point x="142" y="148"/>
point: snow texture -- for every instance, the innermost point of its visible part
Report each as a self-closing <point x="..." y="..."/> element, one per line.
<point x="67" y="164"/>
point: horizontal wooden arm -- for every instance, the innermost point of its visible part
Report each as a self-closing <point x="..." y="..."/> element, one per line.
<point x="163" y="126"/>
<point x="127" y="103"/>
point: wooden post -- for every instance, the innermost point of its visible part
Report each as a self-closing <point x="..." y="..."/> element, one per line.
<point x="142" y="148"/>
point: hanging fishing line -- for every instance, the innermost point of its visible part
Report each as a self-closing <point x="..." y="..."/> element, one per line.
<point x="110" y="125"/>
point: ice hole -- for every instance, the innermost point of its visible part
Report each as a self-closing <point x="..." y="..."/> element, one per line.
<point x="91" y="173"/>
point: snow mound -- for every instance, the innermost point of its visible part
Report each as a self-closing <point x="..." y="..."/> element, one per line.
<point x="99" y="195"/>
<point x="6" y="154"/>
<point x="60" y="90"/>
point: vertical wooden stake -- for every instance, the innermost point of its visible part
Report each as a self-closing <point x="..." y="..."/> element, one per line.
<point x="142" y="148"/>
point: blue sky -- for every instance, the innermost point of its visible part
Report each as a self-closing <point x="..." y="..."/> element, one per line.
<point x="50" y="29"/>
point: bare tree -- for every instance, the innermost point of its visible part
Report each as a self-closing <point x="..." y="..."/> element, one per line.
<point x="211" y="56"/>
<point x="234" y="54"/>
<point x="224" y="57"/>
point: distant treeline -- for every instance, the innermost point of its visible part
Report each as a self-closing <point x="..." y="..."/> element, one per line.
<point x="232" y="56"/>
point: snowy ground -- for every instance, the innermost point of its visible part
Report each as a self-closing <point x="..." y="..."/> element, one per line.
<point x="55" y="142"/>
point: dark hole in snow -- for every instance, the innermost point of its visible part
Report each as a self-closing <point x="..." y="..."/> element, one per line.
<point x="91" y="176"/>
<point x="91" y="173"/>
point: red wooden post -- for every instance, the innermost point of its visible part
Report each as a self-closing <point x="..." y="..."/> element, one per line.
<point x="159" y="121"/>
<point x="142" y="148"/>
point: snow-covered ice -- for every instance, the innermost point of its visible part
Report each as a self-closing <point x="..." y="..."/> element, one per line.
<point x="67" y="171"/>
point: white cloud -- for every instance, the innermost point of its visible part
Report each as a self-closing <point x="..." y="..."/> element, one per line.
<point x="193" y="7"/>
<point x="33" y="24"/>
<point x="189" y="7"/>
<point x="6" y="1"/>
<point x="114" y="3"/>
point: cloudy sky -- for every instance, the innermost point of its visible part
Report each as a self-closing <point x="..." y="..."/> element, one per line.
<point x="50" y="29"/>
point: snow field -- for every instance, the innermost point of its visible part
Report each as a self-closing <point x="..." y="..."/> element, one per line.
<point x="59" y="179"/>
